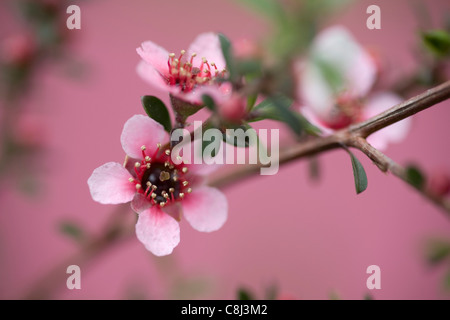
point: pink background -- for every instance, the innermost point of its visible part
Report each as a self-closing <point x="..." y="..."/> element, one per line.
<point x="310" y="239"/>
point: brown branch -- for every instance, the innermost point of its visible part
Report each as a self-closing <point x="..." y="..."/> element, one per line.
<point x="402" y="110"/>
<point x="117" y="230"/>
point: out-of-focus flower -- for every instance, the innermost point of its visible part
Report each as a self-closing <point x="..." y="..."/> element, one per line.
<point x="334" y="87"/>
<point x="17" y="49"/>
<point x="187" y="75"/>
<point x="439" y="182"/>
<point x="158" y="188"/>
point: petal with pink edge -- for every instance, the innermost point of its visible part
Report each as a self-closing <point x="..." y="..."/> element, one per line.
<point x="393" y="133"/>
<point x="149" y="74"/>
<point x="337" y="48"/>
<point x="158" y="231"/>
<point x="309" y="114"/>
<point x="206" y="209"/>
<point x="109" y="184"/>
<point x="140" y="131"/>
<point x="207" y="45"/>
<point x="155" y="55"/>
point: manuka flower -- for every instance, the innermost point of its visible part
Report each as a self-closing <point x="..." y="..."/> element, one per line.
<point x="159" y="190"/>
<point x="188" y="75"/>
<point x="335" y="86"/>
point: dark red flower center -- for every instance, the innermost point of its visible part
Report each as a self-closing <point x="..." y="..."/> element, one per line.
<point x="159" y="179"/>
<point x="346" y="111"/>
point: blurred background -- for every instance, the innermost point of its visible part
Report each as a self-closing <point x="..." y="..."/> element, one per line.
<point x="303" y="238"/>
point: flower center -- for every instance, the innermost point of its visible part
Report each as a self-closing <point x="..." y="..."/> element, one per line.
<point x="182" y="73"/>
<point x="346" y="111"/>
<point x="159" y="179"/>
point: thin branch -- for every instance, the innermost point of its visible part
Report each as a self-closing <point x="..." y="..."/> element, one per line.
<point x="402" y="110"/>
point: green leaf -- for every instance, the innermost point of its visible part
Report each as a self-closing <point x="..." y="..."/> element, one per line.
<point x="239" y="140"/>
<point x="278" y="108"/>
<point x="72" y="230"/>
<point x="285" y="114"/>
<point x="225" y="44"/>
<point x="244" y="294"/>
<point x="249" y="67"/>
<point x="183" y="109"/>
<point x="358" y="173"/>
<point x="437" y="250"/>
<point x="209" y="102"/>
<point x="415" y="177"/>
<point x="206" y="143"/>
<point x="437" y="41"/>
<point x="157" y="110"/>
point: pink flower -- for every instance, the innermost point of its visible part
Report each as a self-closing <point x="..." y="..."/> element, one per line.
<point x="439" y="182"/>
<point x="187" y="75"/>
<point x="158" y="188"/>
<point x="335" y="87"/>
<point x="18" y="49"/>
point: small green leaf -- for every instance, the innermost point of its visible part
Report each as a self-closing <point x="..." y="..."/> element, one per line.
<point x="285" y="114"/>
<point x="209" y="102"/>
<point x="206" y="143"/>
<point x="437" y="250"/>
<point x="415" y="177"/>
<point x="278" y="108"/>
<point x="183" y="109"/>
<point x="72" y="230"/>
<point x="240" y="139"/>
<point x="244" y="294"/>
<point x="358" y="173"/>
<point x="251" y="99"/>
<point x="249" y="67"/>
<point x="437" y="41"/>
<point x="225" y="44"/>
<point x="157" y="110"/>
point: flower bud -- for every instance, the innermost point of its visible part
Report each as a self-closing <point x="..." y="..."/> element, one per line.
<point x="233" y="109"/>
<point x="439" y="182"/>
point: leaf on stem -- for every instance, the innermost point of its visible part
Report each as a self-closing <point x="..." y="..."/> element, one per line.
<point x="415" y="177"/>
<point x="358" y="173"/>
<point x="437" y="42"/>
<point x="157" y="110"/>
<point x="209" y="102"/>
<point x="225" y="45"/>
<point x="241" y="137"/>
<point x="277" y="107"/>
